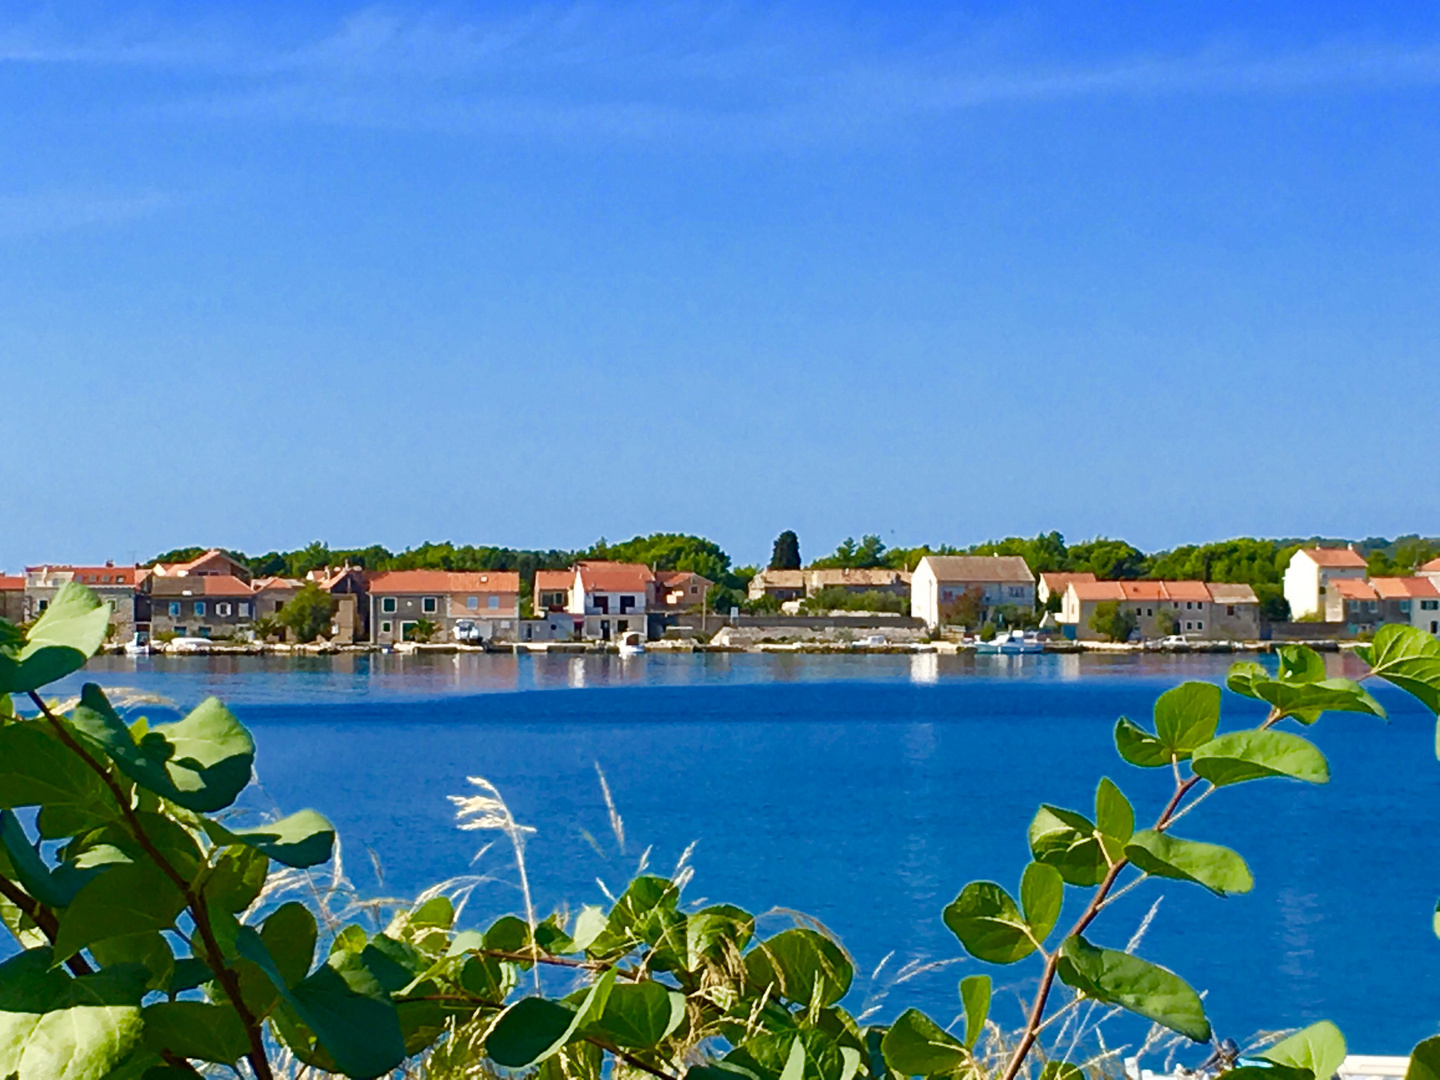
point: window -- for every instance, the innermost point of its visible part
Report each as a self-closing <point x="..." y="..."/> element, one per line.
<point x="1189" y="626"/>
<point x="179" y="631"/>
<point x="222" y="609"/>
<point x="387" y="605"/>
<point x="174" y="609"/>
<point x="1405" y="606"/>
<point x="494" y="603"/>
<point x="199" y="608"/>
<point x="245" y="609"/>
<point x="1230" y="609"/>
<point x="427" y="605"/>
<point x="1149" y="611"/>
<point x="42" y="605"/>
<point x="1199" y="626"/>
<point x="202" y="631"/>
<point x="472" y="602"/>
<point x="385" y="627"/>
<point x="1430" y="605"/>
<point x="627" y="603"/>
<point x="1369" y="605"/>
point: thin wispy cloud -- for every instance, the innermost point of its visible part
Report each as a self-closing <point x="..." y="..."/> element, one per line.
<point x="43" y="213"/>
<point x="638" y="71"/>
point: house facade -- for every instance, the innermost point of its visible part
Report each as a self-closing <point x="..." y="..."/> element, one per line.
<point x="349" y="602"/>
<point x="207" y="606"/>
<point x="940" y="583"/>
<point x="680" y="590"/>
<point x="1204" y="611"/>
<point x="552" y="591"/>
<point x="609" y="599"/>
<point x="12" y="598"/>
<point x="1310" y="575"/>
<point x="115" y="585"/>
<point x="786" y="585"/>
<point x="1365" y="606"/>
<point x="401" y="599"/>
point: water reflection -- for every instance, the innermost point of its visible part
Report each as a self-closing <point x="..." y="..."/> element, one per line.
<point x="300" y="679"/>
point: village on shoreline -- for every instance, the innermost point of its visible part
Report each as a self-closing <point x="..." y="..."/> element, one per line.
<point x="213" y="602"/>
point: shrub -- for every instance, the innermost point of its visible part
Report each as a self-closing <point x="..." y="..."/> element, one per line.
<point x="307" y="616"/>
<point x="1112" y="621"/>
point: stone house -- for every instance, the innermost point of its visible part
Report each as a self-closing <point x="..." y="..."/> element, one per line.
<point x="399" y="599"/>
<point x="786" y="585"/>
<point x="1203" y="611"/>
<point x="680" y="590"/>
<point x="113" y="584"/>
<point x="941" y="581"/>
<point x="208" y="605"/>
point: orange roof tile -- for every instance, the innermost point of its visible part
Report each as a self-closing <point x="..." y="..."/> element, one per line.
<point x="672" y="577"/>
<point x="11" y="584"/>
<point x="1143" y="590"/>
<point x="1403" y="588"/>
<point x="1186" y="590"/>
<point x="445" y="581"/>
<point x="614" y="576"/>
<point x="200" y="585"/>
<point x="554" y="580"/>
<point x="1354" y="589"/>
<point x="276" y="583"/>
<point x="91" y="575"/>
<point x="1431" y="567"/>
<point x="1098" y="590"/>
<point x="1334" y="557"/>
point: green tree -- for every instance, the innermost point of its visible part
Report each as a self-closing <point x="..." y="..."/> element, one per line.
<point x="1166" y="623"/>
<point x="1113" y="621"/>
<point x="870" y="552"/>
<point x="421" y="630"/>
<point x="786" y="553"/>
<point x="969" y="608"/>
<point x="307" y="615"/>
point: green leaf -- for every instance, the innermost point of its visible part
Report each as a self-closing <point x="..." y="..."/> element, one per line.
<point x="1410" y="659"/>
<point x="36" y="769"/>
<point x="588" y="926"/>
<point x="303" y="839"/>
<point x="975" y="993"/>
<point x="1068" y="841"/>
<point x="62" y="639"/>
<point x="988" y="924"/>
<point x="126" y="899"/>
<point x="719" y="1070"/>
<point x="148" y="949"/>
<point x="916" y="1046"/>
<point x="800" y="965"/>
<point x="54" y="888"/>
<point x="1138" y="746"/>
<point x="202" y="763"/>
<point x="1114" y="817"/>
<point x="1117" y="978"/>
<point x="1042" y="894"/>
<point x="1425" y="1060"/>
<point x="1186" y="717"/>
<point x="534" y="1028"/>
<point x="770" y="1054"/>
<point x="1217" y="868"/>
<point x="639" y="1014"/>
<point x="236" y="878"/>
<point x="53" y="1027"/>
<point x="1319" y="1048"/>
<point x="289" y="936"/>
<point x="710" y="931"/>
<point x="1306" y="701"/>
<point x="1253" y="755"/>
<point x="1300" y="664"/>
<point x="438" y="911"/>
<point x="342" y="1003"/>
<point x="196" y="1029"/>
<point x="643" y="898"/>
<point x="795" y="1063"/>
<point x="1061" y="1070"/>
<point x="1243" y="676"/>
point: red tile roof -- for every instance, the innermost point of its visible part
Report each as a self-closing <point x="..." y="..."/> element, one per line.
<point x="1161" y="591"/>
<point x="675" y="577"/>
<point x="199" y="585"/>
<point x="1144" y="590"/>
<point x="1431" y="567"/>
<point x="276" y="583"/>
<point x="1334" y="557"/>
<point x="1097" y="590"/>
<point x="1403" y="588"/>
<point x="11" y="584"/>
<point x="1354" y="589"/>
<point x="90" y="575"/>
<point x="614" y="576"/>
<point x="445" y="581"/>
<point x="1186" y="590"/>
<point x="554" y="580"/>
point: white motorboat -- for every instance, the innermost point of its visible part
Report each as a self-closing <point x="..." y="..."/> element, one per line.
<point x="138" y="646"/>
<point x="1011" y="643"/>
<point x="631" y="643"/>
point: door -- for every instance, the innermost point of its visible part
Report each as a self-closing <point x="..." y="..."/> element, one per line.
<point x="604" y="629"/>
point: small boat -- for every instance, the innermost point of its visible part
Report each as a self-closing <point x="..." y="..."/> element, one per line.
<point x="631" y="643"/>
<point x="1011" y="643"/>
<point x="138" y="646"/>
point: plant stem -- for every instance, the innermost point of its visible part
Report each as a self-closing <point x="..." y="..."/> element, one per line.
<point x="632" y="1061"/>
<point x="44" y="919"/>
<point x="194" y="898"/>
<point x="1036" y="1018"/>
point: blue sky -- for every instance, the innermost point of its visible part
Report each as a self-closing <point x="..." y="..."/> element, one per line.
<point x="529" y="275"/>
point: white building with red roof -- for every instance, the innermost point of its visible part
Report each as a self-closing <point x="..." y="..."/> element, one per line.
<point x="1312" y="573"/>
<point x="610" y="599"/>
<point x="113" y="584"/>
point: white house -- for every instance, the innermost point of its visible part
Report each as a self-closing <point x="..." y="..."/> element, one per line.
<point x="609" y="599"/>
<point x="940" y="581"/>
<point x="1310" y="573"/>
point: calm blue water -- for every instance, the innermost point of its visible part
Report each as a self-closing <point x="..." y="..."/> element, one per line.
<point x="866" y="792"/>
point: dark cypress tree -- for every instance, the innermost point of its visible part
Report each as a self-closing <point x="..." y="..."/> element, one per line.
<point x="786" y="555"/>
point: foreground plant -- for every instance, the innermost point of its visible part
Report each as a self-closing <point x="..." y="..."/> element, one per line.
<point x="154" y="944"/>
